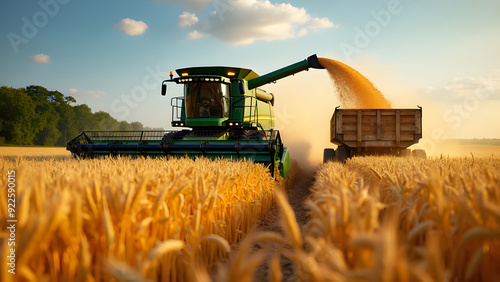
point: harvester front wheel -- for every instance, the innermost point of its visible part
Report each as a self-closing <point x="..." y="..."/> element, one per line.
<point x="254" y="135"/>
<point x="175" y="135"/>
<point x="328" y="155"/>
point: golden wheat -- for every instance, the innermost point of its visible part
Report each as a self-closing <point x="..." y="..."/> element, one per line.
<point x="399" y="219"/>
<point x="108" y="219"/>
<point x="372" y="218"/>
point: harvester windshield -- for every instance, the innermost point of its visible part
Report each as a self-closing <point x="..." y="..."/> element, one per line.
<point x="206" y="100"/>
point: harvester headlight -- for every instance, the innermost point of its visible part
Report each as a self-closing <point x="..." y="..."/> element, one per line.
<point x="230" y="124"/>
<point x="230" y="73"/>
<point x="211" y="79"/>
<point x="184" y="74"/>
<point x="190" y="79"/>
<point x="182" y="124"/>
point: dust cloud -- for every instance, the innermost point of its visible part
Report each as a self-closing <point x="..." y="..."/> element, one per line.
<point x="303" y="107"/>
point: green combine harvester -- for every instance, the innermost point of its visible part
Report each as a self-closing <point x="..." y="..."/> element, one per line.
<point x="223" y="114"/>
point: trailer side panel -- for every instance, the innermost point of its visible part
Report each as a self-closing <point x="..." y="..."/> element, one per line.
<point x="376" y="128"/>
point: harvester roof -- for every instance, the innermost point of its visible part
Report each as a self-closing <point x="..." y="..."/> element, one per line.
<point x="246" y="74"/>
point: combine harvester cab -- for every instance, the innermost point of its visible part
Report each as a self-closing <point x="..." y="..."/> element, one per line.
<point x="222" y="114"/>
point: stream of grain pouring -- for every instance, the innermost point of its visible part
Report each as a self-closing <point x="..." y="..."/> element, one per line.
<point x="354" y="90"/>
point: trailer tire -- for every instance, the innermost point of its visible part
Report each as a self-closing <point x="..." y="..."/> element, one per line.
<point x="405" y="153"/>
<point x="328" y="155"/>
<point x="341" y="154"/>
<point x="419" y="153"/>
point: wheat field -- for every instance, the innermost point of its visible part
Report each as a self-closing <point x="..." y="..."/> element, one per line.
<point x="370" y="219"/>
<point x="399" y="219"/>
<point x="118" y="219"/>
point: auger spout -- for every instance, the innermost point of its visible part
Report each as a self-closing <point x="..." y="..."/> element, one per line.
<point x="311" y="62"/>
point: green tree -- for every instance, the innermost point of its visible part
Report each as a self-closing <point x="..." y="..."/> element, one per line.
<point x="67" y="120"/>
<point x="124" y="126"/>
<point x="137" y="126"/>
<point x="35" y="115"/>
<point x="18" y="119"/>
<point x="45" y="107"/>
<point x="84" y="118"/>
<point x="106" y="122"/>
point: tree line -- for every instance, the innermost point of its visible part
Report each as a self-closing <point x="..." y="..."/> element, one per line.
<point x="37" y="116"/>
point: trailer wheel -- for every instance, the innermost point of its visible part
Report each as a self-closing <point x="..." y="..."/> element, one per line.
<point x="341" y="154"/>
<point x="328" y="155"/>
<point x="405" y="153"/>
<point x="419" y="153"/>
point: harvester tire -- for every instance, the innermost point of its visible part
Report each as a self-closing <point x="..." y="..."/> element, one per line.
<point x="341" y="154"/>
<point x="405" y="153"/>
<point x="419" y="153"/>
<point x="254" y="135"/>
<point x="328" y="155"/>
<point x="175" y="135"/>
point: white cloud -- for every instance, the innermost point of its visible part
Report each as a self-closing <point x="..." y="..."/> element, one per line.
<point x="462" y="87"/>
<point x="40" y="58"/>
<point x="301" y="32"/>
<point x="187" y="19"/>
<point x="131" y="27"/>
<point x="245" y="21"/>
<point x="459" y="88"/>
<point x="317" y="23"/>
<point x="95" y="94"/>
<point x="195" y="34"/>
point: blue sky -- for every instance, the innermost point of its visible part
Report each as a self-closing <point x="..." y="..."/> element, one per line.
<point x="112" y="54"/>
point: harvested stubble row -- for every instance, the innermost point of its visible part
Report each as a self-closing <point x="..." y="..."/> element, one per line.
<point x="401" y="219"/>
<point x="103" y="219"/>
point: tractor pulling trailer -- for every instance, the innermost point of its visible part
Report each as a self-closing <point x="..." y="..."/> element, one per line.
<point x="228" y="116"/>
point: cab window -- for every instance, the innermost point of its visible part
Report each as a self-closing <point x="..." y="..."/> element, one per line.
<point x="206" y="100"/>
